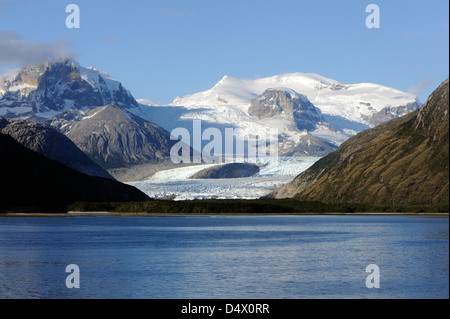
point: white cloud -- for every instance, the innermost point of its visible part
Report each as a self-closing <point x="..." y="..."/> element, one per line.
<point x="15" y="50"/>
<point x="420" y="87"/>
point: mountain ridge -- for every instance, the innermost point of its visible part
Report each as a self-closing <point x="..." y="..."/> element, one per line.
<point x="312" y="115"/>
<point x="112" y="137"/>
<point x="52" y="144"/>
<point x="32" y="182"/>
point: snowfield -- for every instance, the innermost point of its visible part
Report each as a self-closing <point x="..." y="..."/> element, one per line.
<point x="176" y="182"/>
<point x="331" y="97"/>
<point x="346" y="108"/>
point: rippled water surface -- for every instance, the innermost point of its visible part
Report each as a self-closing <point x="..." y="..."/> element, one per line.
<point x="268" y="257"/>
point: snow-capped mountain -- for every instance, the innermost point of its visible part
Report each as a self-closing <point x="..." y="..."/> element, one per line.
<point x="313" y="114"/>
<point x="45" y="90"/>
<point x="89" y="107"/>
<point x="362" y="103"/>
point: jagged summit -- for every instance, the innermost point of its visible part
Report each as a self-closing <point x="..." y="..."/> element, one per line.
<point x="48" y="89"/>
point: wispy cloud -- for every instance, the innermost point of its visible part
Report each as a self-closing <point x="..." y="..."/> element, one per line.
<point x="4" y="4"/>
<point x="15" y="50"/>
<point x="420" y="87"/>
<point x="416" y="34"/>
<point x="173" y="13"/>
<point x="110" y="38"/>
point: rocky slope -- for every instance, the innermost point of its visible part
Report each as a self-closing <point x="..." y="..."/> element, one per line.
<point x="287" y="104"/>
<point x="405" y="161"/>
<point x="31" y="182"/>
<point x="51" y="144"/>
<point x="112" y="137"/>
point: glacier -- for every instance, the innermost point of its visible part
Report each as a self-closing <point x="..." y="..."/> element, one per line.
<point x="176" y="183"/>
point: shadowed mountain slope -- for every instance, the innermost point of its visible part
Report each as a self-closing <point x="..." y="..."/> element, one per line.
<point x="31" y="181"/>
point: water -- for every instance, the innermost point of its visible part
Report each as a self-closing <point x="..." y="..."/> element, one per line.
<point x="251" y="257"/>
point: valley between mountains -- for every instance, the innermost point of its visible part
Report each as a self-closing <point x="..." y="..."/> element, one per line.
<point x="358" y="144"/>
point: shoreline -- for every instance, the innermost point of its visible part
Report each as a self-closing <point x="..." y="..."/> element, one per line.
<point x="113" y="214"/>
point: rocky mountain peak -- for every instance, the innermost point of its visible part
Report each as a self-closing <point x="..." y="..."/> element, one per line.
<point x="286" y="103"/>
<point x="113" y="137"/>
<point x="48" y="89"/>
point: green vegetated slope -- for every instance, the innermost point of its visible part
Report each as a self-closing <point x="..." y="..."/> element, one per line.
<point x="402" y="162"/>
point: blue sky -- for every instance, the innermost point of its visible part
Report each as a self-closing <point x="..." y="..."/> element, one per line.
<point x="163" y="49"/>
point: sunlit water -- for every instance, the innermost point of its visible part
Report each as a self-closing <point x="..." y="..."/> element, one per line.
<point x="268" y="257"/>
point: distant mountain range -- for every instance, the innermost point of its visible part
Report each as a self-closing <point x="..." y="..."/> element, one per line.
<point x="89" y="107"/>
<point x="60" y="122"/>
<point x="404" y="161"/>
<point x="313" y="114"/>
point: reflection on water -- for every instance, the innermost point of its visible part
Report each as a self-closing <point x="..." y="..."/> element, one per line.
<point x="225" y="256"/>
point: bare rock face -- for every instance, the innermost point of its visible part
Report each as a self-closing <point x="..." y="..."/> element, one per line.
<point x="308" y="145"/>
<point x="286" y="103"/>
<point x="52" y="144"/>
<point x="389" y="113"/>
<point x="232" y="170"/>
<point x="113" y="137"/>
